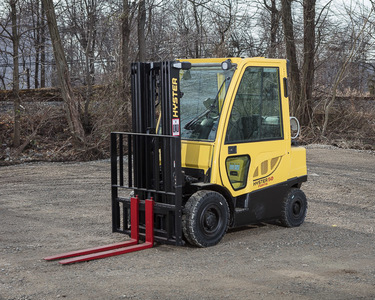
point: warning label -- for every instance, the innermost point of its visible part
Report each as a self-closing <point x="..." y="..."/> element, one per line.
<point x="176" y="127"/>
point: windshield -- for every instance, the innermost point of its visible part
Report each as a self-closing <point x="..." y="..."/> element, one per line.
<point x="203" y="91"/>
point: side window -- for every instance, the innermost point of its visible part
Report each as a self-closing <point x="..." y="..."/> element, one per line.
<point x="256" y="112"/>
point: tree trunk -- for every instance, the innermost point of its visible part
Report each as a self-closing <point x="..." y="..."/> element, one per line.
<point x="291" y="53"/>
<point x="71" y="103"/>
<point x="141" y="30"/>
<point x="197" y="39"/>
<point x="274" y="27"/>
<point x="125" y="51"/>
<point x="42" y="49"/>
<point x="16" y="79"/>
<point x="89" y="91"/>
<point x="89" y="55"/>
<point x="37" y="43"/>
<point x="126" y="20"/>
<point x="304" y="108"/>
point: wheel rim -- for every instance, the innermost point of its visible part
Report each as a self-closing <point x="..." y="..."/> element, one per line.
<point x="211" y="220"/>
<point x="297" y="208"/>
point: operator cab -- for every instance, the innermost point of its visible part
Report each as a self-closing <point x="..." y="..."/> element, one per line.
<point x="231" y="111"/>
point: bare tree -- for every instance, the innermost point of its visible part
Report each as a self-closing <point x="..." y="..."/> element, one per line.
<point x="141" y="30"/>
<point x="83" y="16"/>
<point x="17" y="29"/>
<point x="198" y="8"/>
<point x="71" y="103"/>
<point x="127" y="17"/>
<point x="291" y="53"/>
<point x="16" y="85"/>
<point x="356" y="36"/>
<point x="185" y="28"/>
<point x="42" y="48"/>
<point x="38" y="39"/>
<point x="246" y="34"/>
<point x="224" y="15"/>
<point x="304" y="107"/>
<point x="166" y="37"/>
<point x="13" y="34"/>
<point x="36" y="34"/>
<point x="274" y="26"/>
<point x="301" y="80"/>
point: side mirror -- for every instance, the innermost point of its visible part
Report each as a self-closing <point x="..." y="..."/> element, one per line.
<point x="295" y="128"/>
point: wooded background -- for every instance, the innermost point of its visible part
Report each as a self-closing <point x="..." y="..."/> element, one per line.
<point x="91" y="43"/>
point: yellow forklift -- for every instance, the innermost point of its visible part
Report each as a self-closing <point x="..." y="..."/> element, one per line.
<point x="211" y="148"/>
<point x="212" y="145"/>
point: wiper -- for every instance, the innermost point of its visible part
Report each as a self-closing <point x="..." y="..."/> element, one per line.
<point x="192" y="122"/>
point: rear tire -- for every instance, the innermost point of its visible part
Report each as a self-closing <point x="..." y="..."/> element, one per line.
<point x="205" y="218"/>
<point x="294" y="208"/>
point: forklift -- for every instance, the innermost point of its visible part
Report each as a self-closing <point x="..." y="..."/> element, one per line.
<point x="211" y="148"/>
<point x="212" y="145"/>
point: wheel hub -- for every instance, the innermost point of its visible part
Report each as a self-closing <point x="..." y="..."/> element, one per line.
<point x="210" y="220"/>
<point x="296" y="208"/>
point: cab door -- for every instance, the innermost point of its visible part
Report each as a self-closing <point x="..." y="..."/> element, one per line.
<point x="253" y="147"/>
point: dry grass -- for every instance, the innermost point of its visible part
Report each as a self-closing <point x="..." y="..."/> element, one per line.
<point x="45" y="134"/>
<point x="351" y="125"/>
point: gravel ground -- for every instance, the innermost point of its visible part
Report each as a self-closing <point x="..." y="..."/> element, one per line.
<point x="49" y="208"/>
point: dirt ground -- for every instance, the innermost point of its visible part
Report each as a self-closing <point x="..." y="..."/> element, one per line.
<point x="49" y="208"/>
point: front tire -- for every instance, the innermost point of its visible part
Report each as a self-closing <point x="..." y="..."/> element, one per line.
<point x="205" y="218"/>
<point x="294" y="208"/>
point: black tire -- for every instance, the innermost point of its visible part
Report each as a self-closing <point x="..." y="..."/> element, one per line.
<point x="205" y="218"/>
<point x="294" y="208"/>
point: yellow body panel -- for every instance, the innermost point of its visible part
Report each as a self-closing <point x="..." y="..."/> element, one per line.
<point x="297" y="162"/>
<point x="262" y="172"/>
<point x="196" y="155"/>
